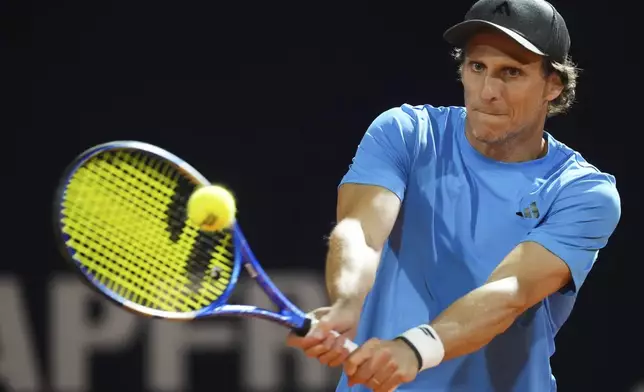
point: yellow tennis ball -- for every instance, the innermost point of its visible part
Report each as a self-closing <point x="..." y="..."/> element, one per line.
<point x="212" y="208"/>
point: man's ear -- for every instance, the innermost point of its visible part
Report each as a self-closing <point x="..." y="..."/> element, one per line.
<point x="554" y="87"/>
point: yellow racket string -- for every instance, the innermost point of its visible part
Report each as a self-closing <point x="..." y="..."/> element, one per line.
<point x="125" y="216"/>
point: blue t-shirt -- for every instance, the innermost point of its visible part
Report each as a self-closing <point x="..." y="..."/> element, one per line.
<point x="461" y="215"/>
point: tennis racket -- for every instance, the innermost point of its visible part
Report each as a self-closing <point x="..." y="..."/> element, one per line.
<point x="120" y="217"/>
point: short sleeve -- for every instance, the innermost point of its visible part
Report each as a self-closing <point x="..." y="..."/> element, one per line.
<point x="579" y="224"/>
<point x="385" y="154"/>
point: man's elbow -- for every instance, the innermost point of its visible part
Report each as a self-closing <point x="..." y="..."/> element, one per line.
<point x="517" y="297"/>
<point x="348" y="232"/>
<point x="509" y="295"/>
<point x="351" y="232"/>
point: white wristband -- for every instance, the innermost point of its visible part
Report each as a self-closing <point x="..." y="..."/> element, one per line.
<point x="427" y="345"/>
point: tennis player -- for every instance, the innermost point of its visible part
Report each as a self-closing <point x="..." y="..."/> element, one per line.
<point x="464" y="234"/>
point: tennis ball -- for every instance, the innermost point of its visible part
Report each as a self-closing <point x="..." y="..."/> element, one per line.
<point x="212" y="208"/>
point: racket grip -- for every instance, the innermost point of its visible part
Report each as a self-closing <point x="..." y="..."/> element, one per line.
<point x="348" y="344"/>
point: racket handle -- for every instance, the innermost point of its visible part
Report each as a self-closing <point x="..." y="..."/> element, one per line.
<point x="348" y="344"/>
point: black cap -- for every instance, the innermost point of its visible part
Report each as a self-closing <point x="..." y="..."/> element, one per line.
<point x="535" y="24"/>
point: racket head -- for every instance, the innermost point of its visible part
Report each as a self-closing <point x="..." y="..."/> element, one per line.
<point x="119" y="214"/>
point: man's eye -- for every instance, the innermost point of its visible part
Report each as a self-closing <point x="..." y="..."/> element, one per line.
<point x="513" y="72"/>
<point x="477" y="67"/>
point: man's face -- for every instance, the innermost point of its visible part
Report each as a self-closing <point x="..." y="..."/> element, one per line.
<point x="506" y="92"/>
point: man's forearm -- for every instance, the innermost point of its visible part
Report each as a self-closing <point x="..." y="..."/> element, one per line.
<point x="475" y="319"/>
<point x="351" y="263"/>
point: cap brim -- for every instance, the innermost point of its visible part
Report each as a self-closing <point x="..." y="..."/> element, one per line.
<point x="459" y="34"/>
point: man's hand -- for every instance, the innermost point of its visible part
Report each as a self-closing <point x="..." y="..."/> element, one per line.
<point x="382" y="365"/>
<point x="320" y="343"/>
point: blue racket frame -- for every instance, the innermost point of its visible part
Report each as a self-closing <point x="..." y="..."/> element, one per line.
<point x="289" y="315"/>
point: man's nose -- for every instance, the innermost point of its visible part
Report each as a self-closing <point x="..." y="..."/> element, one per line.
<point x="491" y="88"/>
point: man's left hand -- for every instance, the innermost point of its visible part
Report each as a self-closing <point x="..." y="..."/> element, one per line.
<point x="381" y="365"/>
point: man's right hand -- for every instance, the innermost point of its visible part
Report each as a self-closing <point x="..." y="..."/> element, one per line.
<point x="320" y="343"/>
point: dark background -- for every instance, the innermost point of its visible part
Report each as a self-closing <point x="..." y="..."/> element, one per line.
<point x="271" y="99"/>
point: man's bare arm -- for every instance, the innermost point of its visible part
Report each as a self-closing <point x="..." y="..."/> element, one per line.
<point x="526" y="276"/>
<point x="365" y="215"/>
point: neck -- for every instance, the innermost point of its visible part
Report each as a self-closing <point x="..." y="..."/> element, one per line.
<point x="522" y="146"/>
